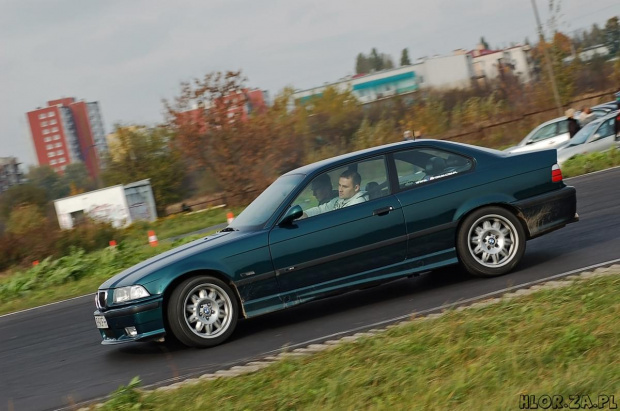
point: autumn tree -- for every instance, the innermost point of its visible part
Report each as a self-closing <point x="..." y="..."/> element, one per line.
<point x="429" y="117"/>
<point x="484" y="43"/>
<point x="48" y="180"/>
<point x="146" y="153"/>
<point x="595" y="37"/>
<point x="564" y="73"/>
<point x="214" y="132"/>
<point x="612" y="35"/>
<point x="78" y="180"/>
<point x="20" y="195"/>
<point x="25" y="218"/>
<point x="371" y="135"/>
<point x="615" y="75"/>
<point x="330" y="121"/>
<point x="375" y="61"/>
<point x="362" y="64"/>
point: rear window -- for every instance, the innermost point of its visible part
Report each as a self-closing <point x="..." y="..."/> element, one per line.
<point x="419" y="166"/>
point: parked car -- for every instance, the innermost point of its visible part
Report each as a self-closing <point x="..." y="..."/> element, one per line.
<point x="609" y="106"/>
<point x="550" y="134"/>
<point x="402" y="208"/>
<point x="598" y="135"/>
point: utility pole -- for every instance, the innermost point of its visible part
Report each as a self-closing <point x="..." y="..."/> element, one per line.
<point x="541" y="38"/>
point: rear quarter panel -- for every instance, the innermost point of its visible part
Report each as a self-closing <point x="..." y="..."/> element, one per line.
<point x="434" y="210"/>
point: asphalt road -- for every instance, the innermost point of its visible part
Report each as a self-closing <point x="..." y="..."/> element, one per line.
<point x="51" y="357"/>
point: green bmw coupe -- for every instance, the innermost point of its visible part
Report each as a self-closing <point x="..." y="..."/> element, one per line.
<point x="340" y="224"/>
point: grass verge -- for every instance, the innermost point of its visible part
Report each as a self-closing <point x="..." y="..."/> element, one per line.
<point x="552" y="342"/>
<point x="588" y="163"/>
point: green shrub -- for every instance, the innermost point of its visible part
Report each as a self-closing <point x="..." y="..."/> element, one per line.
<point x="25" y="218"/>
<point x="88" y="237"/>
<point x="125" y="397"/>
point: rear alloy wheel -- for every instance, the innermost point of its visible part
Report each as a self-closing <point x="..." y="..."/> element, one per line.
<point x="202" y="311"/>
<point x="491" y="242"/>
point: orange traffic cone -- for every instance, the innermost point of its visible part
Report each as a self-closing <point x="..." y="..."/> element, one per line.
<point x="152" y="238"/>
<point x="230" y="217"/>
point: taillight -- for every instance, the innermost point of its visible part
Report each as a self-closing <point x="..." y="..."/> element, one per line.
<point x="556" y="173"/>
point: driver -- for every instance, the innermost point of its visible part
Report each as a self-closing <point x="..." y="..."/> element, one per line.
<point x="322" y="189"/>
<point x="348" y="194"/>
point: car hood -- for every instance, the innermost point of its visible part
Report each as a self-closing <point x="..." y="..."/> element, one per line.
<point x="511" y="149"/>
<point x="137" y="273"/>
<point x="567" y="152"/>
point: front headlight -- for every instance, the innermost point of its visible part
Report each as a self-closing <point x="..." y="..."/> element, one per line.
<point x="132" y="292"/>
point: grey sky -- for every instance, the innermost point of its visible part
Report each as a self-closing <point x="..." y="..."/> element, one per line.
<point x="130" y="54"/>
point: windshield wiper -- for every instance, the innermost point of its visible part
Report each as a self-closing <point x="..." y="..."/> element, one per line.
<point x="228" y="229"/>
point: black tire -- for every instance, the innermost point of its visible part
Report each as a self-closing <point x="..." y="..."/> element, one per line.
<point x="490" y="242"/>
<point x="202" y="312"/>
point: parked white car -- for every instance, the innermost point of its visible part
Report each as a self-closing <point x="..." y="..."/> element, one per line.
<point x="595" y="136"/>
<point x="550" y="134"/>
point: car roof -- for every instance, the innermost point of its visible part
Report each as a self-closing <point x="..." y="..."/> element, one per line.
<point x="609" y="104"/>
<point x="609" y="115"/>
<point x="465" y="149"/>
<point x="555" y="120"/>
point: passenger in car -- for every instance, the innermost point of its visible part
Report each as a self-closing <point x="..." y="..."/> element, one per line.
<point x="348" y="194"/>
<point x="322" y="189"/>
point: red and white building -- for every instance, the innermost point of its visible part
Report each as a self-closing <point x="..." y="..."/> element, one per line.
<point x="237" y="105"/>
<point x="491" y="64"/>
<point x="68" y="131"/>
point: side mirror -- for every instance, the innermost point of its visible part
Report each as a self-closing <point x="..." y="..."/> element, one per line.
<point x="597" y="136"/>
<point x="291" y="215"/>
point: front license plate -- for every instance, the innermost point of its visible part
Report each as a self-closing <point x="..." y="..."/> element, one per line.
<point x="101" y="321"/>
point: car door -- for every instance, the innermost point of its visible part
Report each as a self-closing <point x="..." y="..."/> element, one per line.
<point x="340" y="247"/>
<point x="602" y="139"/>
<point x="547" y="136"/>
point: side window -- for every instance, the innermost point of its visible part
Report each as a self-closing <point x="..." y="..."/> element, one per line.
<point x="419" y="166"/>
<point x="563" y="127"/>
<point x="606" y="129"/>
<point x="345" y="186"/>
<point x="548" y="131"/>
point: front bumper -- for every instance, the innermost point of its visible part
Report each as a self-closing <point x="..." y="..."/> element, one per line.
<point x="549" y="211"/>
<point x="146" y="316"/>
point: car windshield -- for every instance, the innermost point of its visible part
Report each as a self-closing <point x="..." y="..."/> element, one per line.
<point x="262" y="208"/>
<point x="583" y="134"/>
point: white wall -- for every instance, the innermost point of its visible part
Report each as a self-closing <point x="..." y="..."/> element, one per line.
<point x="487" y="65"/>
<point x="521" y="60"/>
<point x="446" y="71"/>
<point x="107" y="204"/>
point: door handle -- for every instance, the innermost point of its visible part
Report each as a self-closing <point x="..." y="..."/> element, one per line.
<point x="382" y="211"/>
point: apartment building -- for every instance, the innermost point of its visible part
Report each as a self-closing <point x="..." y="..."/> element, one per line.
<point x="66" y="131"/>
<point x="10" y="173"/>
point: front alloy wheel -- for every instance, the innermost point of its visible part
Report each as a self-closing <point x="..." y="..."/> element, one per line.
<point x="491" y="242"/>
<point x="202" y="311"/>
